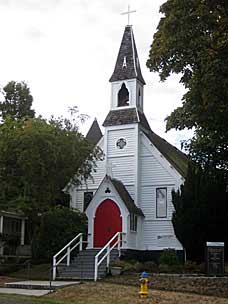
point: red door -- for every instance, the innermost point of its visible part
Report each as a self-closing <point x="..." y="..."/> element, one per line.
<point x="107" y="222"/>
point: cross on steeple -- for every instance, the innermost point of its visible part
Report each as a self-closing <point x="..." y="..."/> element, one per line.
<point x="128" y="13"/>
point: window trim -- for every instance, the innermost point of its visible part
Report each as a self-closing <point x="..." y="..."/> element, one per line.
<point x="133" y="222"/>
<point x="85" y="206"/>
<point x="166" y="204"/>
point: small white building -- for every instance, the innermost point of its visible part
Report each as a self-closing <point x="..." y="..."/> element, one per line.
<point x="131" y="189"/>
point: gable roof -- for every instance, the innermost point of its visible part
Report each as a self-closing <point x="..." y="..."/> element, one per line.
<point x="94" y="134"/>
<point x="125" y="196"/>
<point x="127" y="63"/>
<point x="121" y="117"/>
<point x="175" y="157"/>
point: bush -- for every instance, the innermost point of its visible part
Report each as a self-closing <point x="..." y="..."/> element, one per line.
<point x="139" y="267"/>
<point x="168" y="257"/>
<point x="150" y="266"/>
<point x="57" y="228"/>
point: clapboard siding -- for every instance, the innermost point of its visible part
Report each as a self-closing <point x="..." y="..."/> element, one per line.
<point x="97" y="176"/>
<point x="114" y="135"/>
<point x="160" y="235"/>
<point x="152" y="172"/>
<point x="132" y="240"/>
<point x="123" y="169"/>
<point x="131" y="190"/>
<point x="148" y="201"/>
<point x="79" y="200"/>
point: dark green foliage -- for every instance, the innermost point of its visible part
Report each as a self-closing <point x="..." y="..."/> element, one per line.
<point x="38" y="159"/>
<point x="201" y="211"/>
<point x="168" y="257"/>
<point x="58" y="227"/>
<point x="17" y="101"/>
<point x="192" y="39"/>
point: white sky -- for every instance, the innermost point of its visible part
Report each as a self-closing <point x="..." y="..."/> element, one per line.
<point x="66" y="51"/>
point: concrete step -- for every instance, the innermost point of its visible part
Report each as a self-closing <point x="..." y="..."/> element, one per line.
<point x="82" y="266"/>
<point x="39" y="285"/>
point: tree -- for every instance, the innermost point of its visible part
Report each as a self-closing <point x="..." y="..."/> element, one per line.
<point x="201" y="211"/>
<point x="192" y="39"/>
<point x="38" y="159"/>
<point x="17" y="101"/>
<point x="62" y="225"/>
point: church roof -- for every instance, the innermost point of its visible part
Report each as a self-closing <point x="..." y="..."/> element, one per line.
<point x="176" y="158"/>
<point x="94" y="134"/>
<point x="127" y="63"/>
<point x="125" y="196"/>
<point x="121" y="117"/>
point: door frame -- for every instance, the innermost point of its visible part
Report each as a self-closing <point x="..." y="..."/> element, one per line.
<point x="120" y="215"/>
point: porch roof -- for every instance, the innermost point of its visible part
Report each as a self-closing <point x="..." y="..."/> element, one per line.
<point x="125" y="196"/>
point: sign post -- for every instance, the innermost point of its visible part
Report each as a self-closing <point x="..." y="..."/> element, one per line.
<point x="215" y="258"/>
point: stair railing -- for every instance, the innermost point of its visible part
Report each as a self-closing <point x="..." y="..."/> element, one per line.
<point x="108" y="247"/>
<point x="67" y="249"/>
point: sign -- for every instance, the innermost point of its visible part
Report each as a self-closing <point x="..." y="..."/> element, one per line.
<point x="215" y="258"/>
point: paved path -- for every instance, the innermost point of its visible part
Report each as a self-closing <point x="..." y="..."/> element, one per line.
<point x="30" y="288"/>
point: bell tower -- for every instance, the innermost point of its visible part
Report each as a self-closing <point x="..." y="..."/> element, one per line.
<point x="127" y="81"/>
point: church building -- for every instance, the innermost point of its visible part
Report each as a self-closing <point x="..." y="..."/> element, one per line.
<point x="130" y="192"/>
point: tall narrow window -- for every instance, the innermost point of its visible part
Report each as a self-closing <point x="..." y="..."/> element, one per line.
<point x="133" y="222"/>
<point x="139" y="98"/>
<point x="87" y="199"/>
<point x="161" y="202"/>
<point x="123" y="96"/>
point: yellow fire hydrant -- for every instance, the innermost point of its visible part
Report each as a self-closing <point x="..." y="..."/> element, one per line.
<point x="143" y="285"/>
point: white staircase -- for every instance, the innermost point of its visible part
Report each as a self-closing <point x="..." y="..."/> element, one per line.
<point x="87" y="264"/>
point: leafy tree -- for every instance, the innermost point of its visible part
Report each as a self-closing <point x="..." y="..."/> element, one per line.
<point x="201" y="211"/>
<point x="62" y="225"/>
<point x="192" y="39"/>
<point x="39" y="158"/>
<point x="17" y="101"/>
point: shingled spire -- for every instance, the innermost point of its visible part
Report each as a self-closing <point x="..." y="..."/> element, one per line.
<point x="127" y="64"/>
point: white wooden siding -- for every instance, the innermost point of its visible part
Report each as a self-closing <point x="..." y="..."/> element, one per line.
<point x="112" y="137"/>
<point x="155" y="173"/>
<point x="79" y="200"/>
<point x="148" y="201"/>
<point x="160" y="235"/>
<point x="123" y="169"/>
<point x="131" y="190"/>
<point x="152" y="172"/>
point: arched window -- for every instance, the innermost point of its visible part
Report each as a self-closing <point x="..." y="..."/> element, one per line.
<point x="123" y="96"/>
<point x="139" y="98"/>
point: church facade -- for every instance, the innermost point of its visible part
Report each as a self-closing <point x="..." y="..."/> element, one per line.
<point x="130" y="192"/>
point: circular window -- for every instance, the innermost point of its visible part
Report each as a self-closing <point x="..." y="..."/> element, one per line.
<point x="121" y="143"/>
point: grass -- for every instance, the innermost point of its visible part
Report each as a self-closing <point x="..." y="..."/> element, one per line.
<point x="107" y="293"/>
<point x="35" y="272"/>
<point x="26" y="299"/>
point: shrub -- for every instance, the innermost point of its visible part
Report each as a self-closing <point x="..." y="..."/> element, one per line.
<point x="168" y="257"/>
<point x="57" y="228"/>
<point x="139" y="267"/>
<point x="150" y="266"/>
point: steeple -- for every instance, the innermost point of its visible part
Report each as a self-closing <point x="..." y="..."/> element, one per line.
<point x="127" y="63"/>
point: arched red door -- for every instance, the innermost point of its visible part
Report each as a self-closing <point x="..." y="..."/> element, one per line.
<point x="107" y="222"/>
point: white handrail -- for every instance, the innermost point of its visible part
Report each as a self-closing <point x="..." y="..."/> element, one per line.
<point x="68" y="250"/>
<point x="107" y="254"/>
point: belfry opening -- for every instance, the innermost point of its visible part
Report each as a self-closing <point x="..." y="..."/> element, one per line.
<point x="123" y="96"/>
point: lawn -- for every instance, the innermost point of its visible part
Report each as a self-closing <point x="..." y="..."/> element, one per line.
<point x="107" y="293"/>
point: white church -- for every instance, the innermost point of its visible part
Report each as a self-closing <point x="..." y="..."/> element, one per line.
<point x="130" y="192"/>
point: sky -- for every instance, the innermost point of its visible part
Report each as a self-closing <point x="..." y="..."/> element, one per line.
<point x="65" y="50"/>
